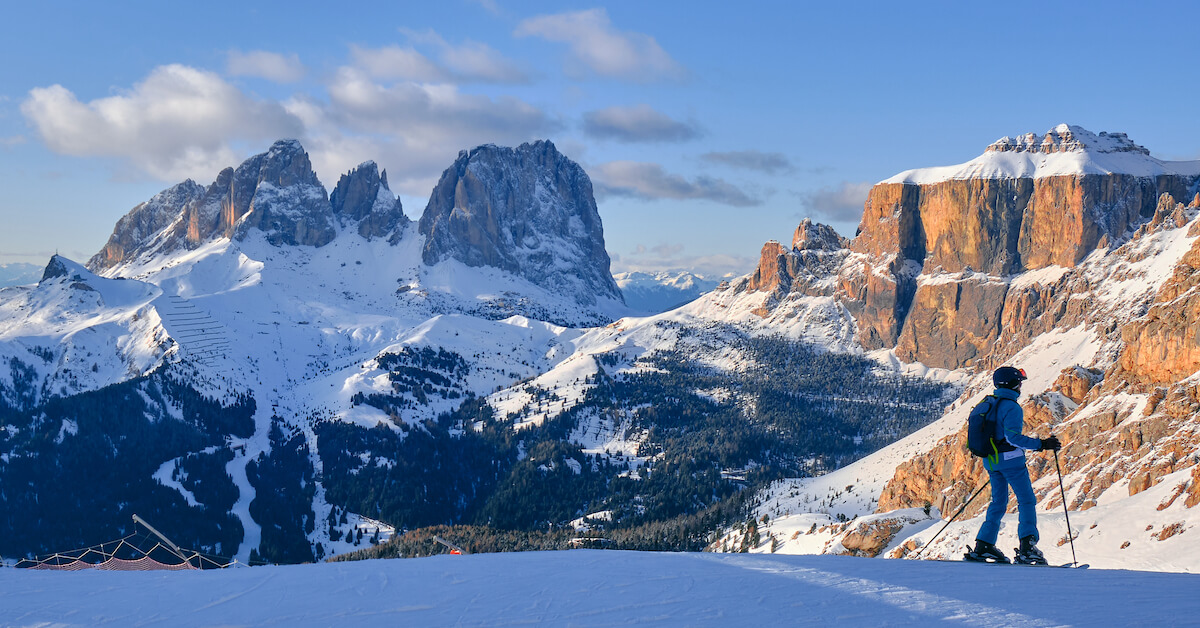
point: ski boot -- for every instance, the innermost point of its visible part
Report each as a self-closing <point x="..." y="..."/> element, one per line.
<point x="1028" y="553"/>
<point x="985" y="552"/>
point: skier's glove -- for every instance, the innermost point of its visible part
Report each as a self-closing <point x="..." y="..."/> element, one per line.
<point x="1050" y="444"/>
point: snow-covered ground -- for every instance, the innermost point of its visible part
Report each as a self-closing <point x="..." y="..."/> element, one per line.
<point x="605" y="588"/>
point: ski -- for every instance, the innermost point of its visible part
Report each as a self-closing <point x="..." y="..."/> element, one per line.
<point x="968" y="559"/>
<point x="987" y="562"/>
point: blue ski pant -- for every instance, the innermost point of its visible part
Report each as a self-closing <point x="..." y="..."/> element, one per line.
<point x="1018" y="478"/>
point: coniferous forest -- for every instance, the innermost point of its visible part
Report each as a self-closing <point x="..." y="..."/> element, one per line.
<point x="797" y="411"/>
<point x="76" y="469"/>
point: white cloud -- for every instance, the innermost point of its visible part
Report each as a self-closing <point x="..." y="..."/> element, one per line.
<point x="396" y="63"/>
<point x="490" y="6"/>
<point x="640" y="123"/>
<point x="469" y="62"/>
<point x="770" y="163"/>
<point x="473" y="61"/>
<point x="426" y="115"/>
<point x="268" y="65"/>
<point x="179" y="122"/>
<point x="650" y="182"/>
<point x="843" y="202"/>
<point x="414" y="130"/>
<point x="597" y="47"/>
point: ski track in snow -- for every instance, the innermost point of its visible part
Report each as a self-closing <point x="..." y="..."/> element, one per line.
<point x="244" y="452"/>
<point x="935" y="606"/>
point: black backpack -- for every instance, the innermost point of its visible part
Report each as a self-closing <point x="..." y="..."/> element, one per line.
<point x="983" y="431"/>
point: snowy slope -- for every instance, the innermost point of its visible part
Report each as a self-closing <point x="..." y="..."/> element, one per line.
<point x="76" y="331"/>
<point x="604" y="588"/>
<point x="303" y="327"/>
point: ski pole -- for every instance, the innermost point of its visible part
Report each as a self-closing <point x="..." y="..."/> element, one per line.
<point x="1063" y="493"/>
<point x="951" y="520"/>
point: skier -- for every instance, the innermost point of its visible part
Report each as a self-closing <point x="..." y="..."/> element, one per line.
<point x="1007" y="468"/>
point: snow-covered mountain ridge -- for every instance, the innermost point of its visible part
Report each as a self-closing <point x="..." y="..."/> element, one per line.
<point x="1065" y="150"/>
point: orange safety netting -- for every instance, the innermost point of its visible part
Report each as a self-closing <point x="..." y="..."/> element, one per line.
<point x="126" y="554"/>
<point x="144" y="563"/>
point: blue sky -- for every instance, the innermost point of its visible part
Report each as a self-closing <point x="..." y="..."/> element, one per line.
<point x="708" y="127"/>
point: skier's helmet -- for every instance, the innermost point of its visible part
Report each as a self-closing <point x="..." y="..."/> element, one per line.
<point x="1008" y="377"/>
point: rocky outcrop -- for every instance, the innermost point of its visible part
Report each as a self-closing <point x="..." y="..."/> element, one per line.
<point x="868" y="539"/>
<point x="57" y="267"/>
<point x="807" y="268"/>
<point x="1075" y="383"/>
<point x="1163" y="347"/>
<point x="527" y="210"/>
<point x="814" y="236"/>
<point x="362" y="196"/>
<point x="135" y="229"/>
<point x="773" y="272"/>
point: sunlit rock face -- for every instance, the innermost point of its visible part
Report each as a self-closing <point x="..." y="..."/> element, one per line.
<point x="527" y="210"/>
<point x="1025" y="204"/>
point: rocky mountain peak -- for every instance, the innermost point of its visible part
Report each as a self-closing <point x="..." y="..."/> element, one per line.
<point x="772" y="270"/>
<point x="135" y="229"/>
<point x="813" y="236"/>
<point x="363" y="195"/>
<point x="275" y="192"/>
<point x="527" y="210"/>
<point x="1067" y="138"/>
<point x="58" y="267"/>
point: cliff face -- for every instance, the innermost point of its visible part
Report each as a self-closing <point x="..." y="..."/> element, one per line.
<point x="939" y="246"/>
<point x="527" y="210"/>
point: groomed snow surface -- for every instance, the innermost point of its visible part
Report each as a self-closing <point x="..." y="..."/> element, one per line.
<point x="605" y="588"/>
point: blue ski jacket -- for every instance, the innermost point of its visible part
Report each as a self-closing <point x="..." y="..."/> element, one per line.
<point x="1010" y="418"/>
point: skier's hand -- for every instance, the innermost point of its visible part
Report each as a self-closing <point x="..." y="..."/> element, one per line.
<point x="1050" y="443"/>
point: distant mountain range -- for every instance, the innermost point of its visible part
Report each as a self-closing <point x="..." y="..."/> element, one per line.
<point x="19" y="274"/>
<point x="264" y="366"/>
<point x="662" y="290"/>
